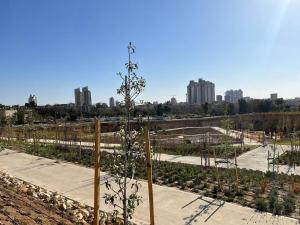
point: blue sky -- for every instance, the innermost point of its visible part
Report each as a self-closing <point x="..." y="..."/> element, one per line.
<point x="48" y="48"/>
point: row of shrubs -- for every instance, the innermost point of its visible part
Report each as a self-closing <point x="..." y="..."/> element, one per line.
<point x="275" y="205"/>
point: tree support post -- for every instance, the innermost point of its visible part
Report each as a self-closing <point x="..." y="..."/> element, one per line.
<point x="97" y="173"/>
<point x="149" y="175"/>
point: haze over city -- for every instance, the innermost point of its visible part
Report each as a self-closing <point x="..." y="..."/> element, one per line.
<point x="50" y="48"/>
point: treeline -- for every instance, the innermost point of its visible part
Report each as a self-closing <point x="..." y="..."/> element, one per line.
<point x="27" y="114"/>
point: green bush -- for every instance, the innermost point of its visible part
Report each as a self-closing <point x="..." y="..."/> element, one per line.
<point x="273" y="199"/>
<point x="261" y="205"/>
<point x="277" y="208"/>
<point x="289" y="204"/>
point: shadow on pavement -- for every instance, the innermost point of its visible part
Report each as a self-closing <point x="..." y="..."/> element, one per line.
<point x="208" y="208"/>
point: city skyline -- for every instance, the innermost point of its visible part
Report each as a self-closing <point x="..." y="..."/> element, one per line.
<point x="48" y="49"/>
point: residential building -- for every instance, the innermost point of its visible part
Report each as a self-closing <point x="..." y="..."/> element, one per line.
<point x="78" y="97"/>
<point x="233" y="96"/>
<point x="274" y="96"/>
<point x="111" y="102"/>
<point x="32" y="100"/>
<point x="219" y="98"/>
<point x="200" y="92"/>
<point x="83" y="98"/>
<point x="87" y="97"/>
<point x="173" y="101"/>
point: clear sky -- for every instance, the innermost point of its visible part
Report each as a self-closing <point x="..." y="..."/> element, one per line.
<point x="48" y="48"/>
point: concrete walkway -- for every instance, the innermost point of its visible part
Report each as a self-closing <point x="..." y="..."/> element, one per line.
<point x="237" y="134"/>
<point x="255" y="160"/>
<point x="172" y="206"/>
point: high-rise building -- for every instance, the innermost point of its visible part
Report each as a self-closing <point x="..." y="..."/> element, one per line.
<point x="233" y="96"/>
<point x="111" y="102"/>
<point x="87" y="98"/>
<point x="78" y="97"/>
<point x="32" y="100"/>
<point x="274" y="96"/>
<point x="219" y="98"/>
<point x="200" y="92"/>
<point x="83" y="98"/>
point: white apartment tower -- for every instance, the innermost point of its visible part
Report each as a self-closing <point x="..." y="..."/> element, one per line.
<point x="233" y="96"/>
<point x="200" y="92"/>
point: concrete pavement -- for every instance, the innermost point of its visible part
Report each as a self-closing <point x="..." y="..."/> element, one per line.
<point x="172" y="206"/>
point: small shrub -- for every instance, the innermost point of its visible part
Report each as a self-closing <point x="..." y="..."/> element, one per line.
<point x="215" y="189"/>
<point x="277" y="208"/>
<point x="263" y="185"/>
<point x="273" y="199"/>
<point x="289" y="204"/>
<point x="261" y="205"/>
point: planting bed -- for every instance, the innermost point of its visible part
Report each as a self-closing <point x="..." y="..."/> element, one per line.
<point x="289" y="158"/>
<point x="221" y="151"/>
<point x="275" y="193"/>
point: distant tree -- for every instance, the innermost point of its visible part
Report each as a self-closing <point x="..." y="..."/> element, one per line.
<point x="265" y="106"/>
<point x="159" y="110"/>
<point x="3" y="120"/>
<point x="205" y="108"/>
<point x="20" y="116"/>
<point x="243" y="106"/>
<point x="231" y="109"/>
<point x="72" y="115"/>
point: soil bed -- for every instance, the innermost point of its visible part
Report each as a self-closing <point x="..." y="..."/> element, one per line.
<point x="19" y="208"/>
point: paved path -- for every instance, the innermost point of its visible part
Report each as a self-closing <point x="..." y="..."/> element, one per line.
<point x="78" y="143"/>
<point x="172" y="206"/>
<point x="237" y="134"/>
<point x="255" y="159"/>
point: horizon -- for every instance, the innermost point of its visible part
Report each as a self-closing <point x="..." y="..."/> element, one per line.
<point x="51" y="48"/>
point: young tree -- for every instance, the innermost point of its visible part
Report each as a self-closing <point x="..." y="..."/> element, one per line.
<point x="124" y="191"/>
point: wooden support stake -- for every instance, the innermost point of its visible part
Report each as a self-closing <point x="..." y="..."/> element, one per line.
<point x="149" y="174"/>
<point x="236" y="169"/>
<point x="217" y="170"/>
<point x="97" y="173"/>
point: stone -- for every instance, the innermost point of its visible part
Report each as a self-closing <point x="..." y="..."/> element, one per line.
<point x="85" y="213"/>
<point x="62" y="207"/>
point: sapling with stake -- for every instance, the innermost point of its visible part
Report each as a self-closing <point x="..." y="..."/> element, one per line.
<point x="124" y="188"/>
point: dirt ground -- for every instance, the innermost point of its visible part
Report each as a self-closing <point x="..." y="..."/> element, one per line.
<point x="17" y="208"/>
